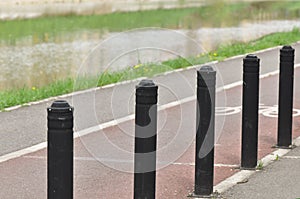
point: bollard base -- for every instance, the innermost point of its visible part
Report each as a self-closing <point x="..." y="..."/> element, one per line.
<point x="249" y="169"/>
<point x="214" y="195"/>
<point x="284" y="147"/>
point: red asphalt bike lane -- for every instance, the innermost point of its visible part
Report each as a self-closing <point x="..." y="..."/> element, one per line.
<point x="26" y="176"/>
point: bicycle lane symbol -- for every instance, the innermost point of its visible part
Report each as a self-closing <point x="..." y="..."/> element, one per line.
<point x="267" y="111"/>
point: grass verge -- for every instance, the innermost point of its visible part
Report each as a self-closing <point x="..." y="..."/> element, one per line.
<point x="22" y="96"/>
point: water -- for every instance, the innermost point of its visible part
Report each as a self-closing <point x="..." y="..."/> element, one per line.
<point x="29" y="64"/>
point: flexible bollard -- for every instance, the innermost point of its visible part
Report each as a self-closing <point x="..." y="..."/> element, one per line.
<point x="250" y="111"/>
<point x="60" y="151"/>
<point x="145" y="140"/>
<point x="204" y="157"/>
<point x="286" y="86"/>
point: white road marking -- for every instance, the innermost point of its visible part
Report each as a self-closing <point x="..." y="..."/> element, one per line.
<point x="21" y="152"/>
<point x="227" y="165"/>
<point x="216" y="165"/>
<point x="76" y="158"/>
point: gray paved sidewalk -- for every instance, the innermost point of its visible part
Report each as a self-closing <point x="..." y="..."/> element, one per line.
<point x="281" y="180"/>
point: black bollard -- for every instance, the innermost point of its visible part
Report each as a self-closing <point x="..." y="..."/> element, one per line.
<point x="204" y="157"/>
<point x="250" y="112"/>
<point x="60" y="150"/>
<point x="145" y="140"/>
<point x="286" y="86"/>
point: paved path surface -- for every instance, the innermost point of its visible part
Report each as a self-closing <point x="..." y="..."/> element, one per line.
<point x="278" y="180"/>
<point x="104" y="159"/>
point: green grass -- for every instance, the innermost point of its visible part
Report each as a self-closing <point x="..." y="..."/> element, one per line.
<point x="276" y="39"/>
<point x="260" y="165"/>
<point x="216" y="14"/>
<point x="22" y="96"/>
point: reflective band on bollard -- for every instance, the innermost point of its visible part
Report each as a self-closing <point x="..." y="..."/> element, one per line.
<point x="60" y="151"/>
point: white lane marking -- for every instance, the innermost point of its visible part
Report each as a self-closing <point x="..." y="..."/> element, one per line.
<point x="267" y="111"/>
<point x="216" y="165"/>
<point x="127" y="161"/>
<point x="229" y="86"/>
<point x="21" y="152"/>
<point x="227" y="165"/>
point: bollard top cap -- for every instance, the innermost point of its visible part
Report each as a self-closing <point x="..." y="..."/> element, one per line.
<point x="206" y="76"/>
<point x="251" y="56"/>
<point x="207" y="71"/>
<point x="287" y="48"/>
<point x="146" y="92"/>
<point x="206" y="68"/>
<point x="251" y="64"/>
<point x="287" y="51"/>
<point x="146" y="83"/>
<point x="60" y="106"/>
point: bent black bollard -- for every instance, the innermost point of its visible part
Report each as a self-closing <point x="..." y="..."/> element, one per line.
<point x="286" y="86"/>
<point x="145" y="140"/>
<point x="60" y="151"/>
<point x="250" y="111"/>
<point x="204" y="157"/>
